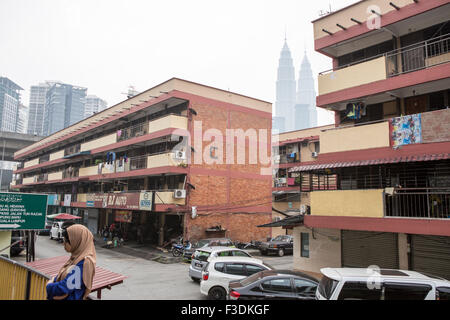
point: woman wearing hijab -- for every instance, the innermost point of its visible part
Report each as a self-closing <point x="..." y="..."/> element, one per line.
<point x="74" y="280"/>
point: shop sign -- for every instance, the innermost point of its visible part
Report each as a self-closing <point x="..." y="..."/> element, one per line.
<point x="129" y="201"/>
<point x="67" y="200"/>
<point x="53" y="200"/>
<point x="123" y="216"/>
<point x="145" y="201"/>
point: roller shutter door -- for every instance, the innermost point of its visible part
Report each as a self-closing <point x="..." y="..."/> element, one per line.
<point x="431" y="254"/>
<point x="361" y="249"/>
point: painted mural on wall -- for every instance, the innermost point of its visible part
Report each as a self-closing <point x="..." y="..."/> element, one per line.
<point x="406" y="130"/>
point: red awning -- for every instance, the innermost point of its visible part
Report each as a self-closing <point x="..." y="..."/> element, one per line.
<point x="411" y="158"/>
<point x="66" y="216"/>
<point x="285" y="142"/>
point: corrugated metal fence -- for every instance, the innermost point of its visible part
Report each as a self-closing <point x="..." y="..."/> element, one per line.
<point x="20" y="282"/>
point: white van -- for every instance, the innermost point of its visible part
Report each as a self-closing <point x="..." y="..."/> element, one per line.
<point x="380" y="284"/>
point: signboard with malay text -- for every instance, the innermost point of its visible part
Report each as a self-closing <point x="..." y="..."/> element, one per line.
<point x="22" y="211"/>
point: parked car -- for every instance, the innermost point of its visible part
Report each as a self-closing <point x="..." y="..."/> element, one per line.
<point x="210" y="242"/>
<point x="19" y="237"/>
<point x="201" y="256"/>
<point x="280" y="245"/>
<point x="380" y="284"/>
<point x="56" y="230"/>
<point x="218" y="272"/>
<point x="274" y="284"/>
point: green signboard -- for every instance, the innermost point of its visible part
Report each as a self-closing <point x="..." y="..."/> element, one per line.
<point x="22" y="211"/>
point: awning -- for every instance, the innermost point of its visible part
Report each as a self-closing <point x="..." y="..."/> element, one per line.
<point x="286" y="222"/>
<point x="411" y="158"/>
<point x="284" y="142"/>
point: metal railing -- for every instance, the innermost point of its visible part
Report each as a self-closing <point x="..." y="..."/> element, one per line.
<point x="20" y="282"/>
<point x="139" y="162"/>
<point x="133" y="131"/>
<point x="418" y="56"/>
<point x="433" y="203"/>
<point x="410" y="58"/>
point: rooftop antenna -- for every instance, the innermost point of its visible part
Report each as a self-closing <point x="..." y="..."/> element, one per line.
<point x="131" y="92"/>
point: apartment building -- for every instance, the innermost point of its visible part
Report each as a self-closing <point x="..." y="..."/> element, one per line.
<point x="290" y="190"/>
<point x="156" y="161"/>
<point x="390" y="147"/>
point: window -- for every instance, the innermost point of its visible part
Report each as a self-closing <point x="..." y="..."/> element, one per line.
<point x="219" y="266"/>
<point x="405" y="291"/>
<point x="443" y="293"/>
<point x="359" y="291"/>
<point x="278" y="285"/>
<point x="251" y="269"/>
<point x="304" y="245"/>
<point x="237" y="269"/>
<point x="224" y="254"/>
<point x="327" y="286"/>
<point x="240" y="254"/>
<point x="304" y="287"/>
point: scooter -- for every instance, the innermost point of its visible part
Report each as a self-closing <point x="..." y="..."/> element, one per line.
<point x="178" y="248"/>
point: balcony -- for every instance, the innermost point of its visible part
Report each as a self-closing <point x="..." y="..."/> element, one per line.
<point x="352" y="76"/>
<point x="164" y="160"/>
<point x="421" y="55"/>
<point x="348" y="203"/>
<point x="100" y="142"/>
<point x="429" y="203"/>
<point x="55" y="176"/>
<point x="368" y="136"/>
<point x="29" y="180"/>
<point x="31" y="163"/>
<point x="57" y="155"/>
<point x="170" y="121"/>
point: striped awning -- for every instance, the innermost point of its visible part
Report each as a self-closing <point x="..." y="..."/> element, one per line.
<point x="411" y="158"/>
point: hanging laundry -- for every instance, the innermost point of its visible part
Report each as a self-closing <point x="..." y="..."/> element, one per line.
<point x="119" y="133"/>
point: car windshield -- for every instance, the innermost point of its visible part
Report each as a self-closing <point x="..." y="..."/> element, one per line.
<point x="326" y="287"/>
<point x="202" y="243"/>
<point x="201" y="255"/>
<point x="281" y="238"/>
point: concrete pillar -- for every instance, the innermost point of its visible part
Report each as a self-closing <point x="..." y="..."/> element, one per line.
<point x="162" y="222"/>
<point x="403" y="251"/>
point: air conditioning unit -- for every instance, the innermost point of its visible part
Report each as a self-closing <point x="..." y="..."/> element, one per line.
<point x="179" y="194"/>
<point x="180" y="155"/>
<point x="314" y="154"/>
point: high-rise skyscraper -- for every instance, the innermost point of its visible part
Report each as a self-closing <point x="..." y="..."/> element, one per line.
<point x="37" y="108"/>
<point x="64" y="105"/>
<point x="9" y="104"/>
<point x="305" y="108"/>
<point x="294" y="110"/>
<point x="93" y="105"/>
<point x="285" y="100"/>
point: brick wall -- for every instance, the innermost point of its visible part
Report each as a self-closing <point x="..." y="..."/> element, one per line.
<point x="436" y="126"/>
<point x="235" y="196"/>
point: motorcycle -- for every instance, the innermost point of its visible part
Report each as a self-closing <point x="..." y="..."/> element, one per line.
<point x="179" y="248"/>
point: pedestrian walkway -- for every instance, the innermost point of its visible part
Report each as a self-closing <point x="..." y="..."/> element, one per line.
<point x="144" y="251"/>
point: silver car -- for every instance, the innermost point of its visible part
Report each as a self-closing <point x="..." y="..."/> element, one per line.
<point x="201" y="256"/>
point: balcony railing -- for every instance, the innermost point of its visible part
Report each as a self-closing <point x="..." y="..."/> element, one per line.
<point x="139" y="162"/>
<point x="414" y="57"/>
<point x="418" y="56"/>
<point x="432" y="203"/>
<point x="132" y="131"/>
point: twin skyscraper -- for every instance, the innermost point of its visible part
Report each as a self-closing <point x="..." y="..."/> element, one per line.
<point x="295" y="106"/>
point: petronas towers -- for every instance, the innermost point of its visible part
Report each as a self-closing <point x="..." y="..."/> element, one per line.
<point x="295" y="106"/>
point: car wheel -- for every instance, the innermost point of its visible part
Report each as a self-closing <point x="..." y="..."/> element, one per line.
<point x="217" y="293"/>
<point x="195" y="279"/>
<point x="263" y="253"/>
<point x="51" y="238"/>
<point x="281" y="252"/>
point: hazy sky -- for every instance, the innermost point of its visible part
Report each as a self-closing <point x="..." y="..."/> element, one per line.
<point x="108" y="45"/>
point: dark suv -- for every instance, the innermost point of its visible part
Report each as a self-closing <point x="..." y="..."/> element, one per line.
<point x="19" y="236"/>
<point x="280" y="245"/>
